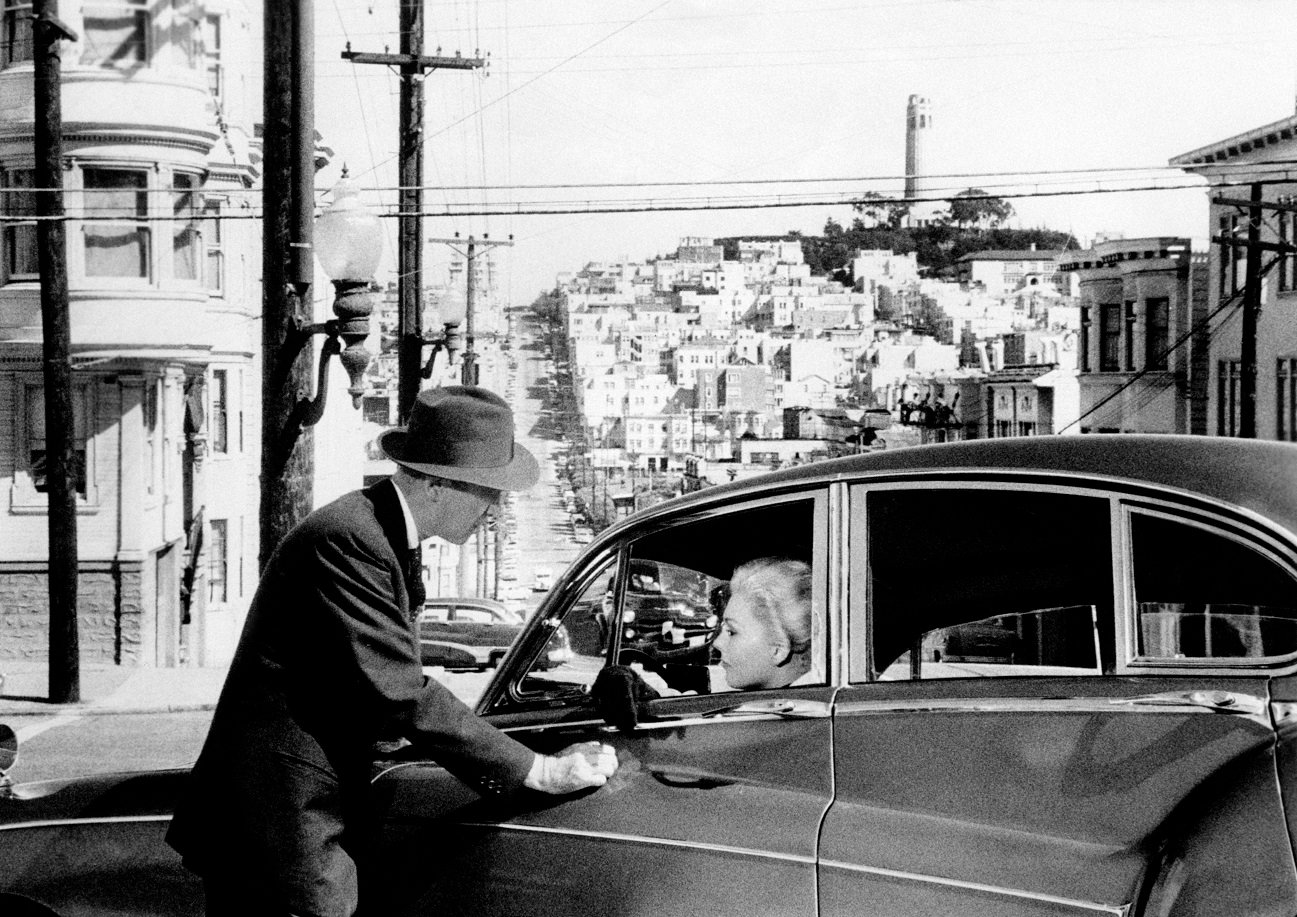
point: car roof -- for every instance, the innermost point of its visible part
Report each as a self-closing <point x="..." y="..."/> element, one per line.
<point x="454" y="601"/>
<point x="1257" y="475"/>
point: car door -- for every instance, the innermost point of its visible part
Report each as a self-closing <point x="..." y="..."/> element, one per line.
<point x="718" y="798"/>
<point x="1057" y="706"/>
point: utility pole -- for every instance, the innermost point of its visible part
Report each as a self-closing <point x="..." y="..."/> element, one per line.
<point x="468" y="360"/>
<point x="288" y="176"/>
<point x="1253" y="275"/>
<point x="56" y="343"/>
<point x="1251" y="310"/>
<point x="413" y="65"/>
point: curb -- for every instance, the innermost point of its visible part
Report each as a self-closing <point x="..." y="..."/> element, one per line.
<point x="48" y="708"/>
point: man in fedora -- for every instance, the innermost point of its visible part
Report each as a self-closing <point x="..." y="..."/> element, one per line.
<point x="275" y="811"/>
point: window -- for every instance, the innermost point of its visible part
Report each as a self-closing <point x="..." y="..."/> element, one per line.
<point x="1129" y="350"/>
<point x="115" y="32"/>
<point x="16" y="32"/>
<point x="220" y="411"/>
<point x="1287" y="262"/>
<point x="585" y="626"/>
<point x="117" y="240"/>
<point x="37" y="454"/>
<point x="1083" y="342"/>
<point x="1202" y="595"/>
<point x="1232" y="261"/>
<point x="991" y="599"/>
<point x="1229" y="375"/>
<point x="1157" y="332"/>
<point x="212" y="53"/>
<point x="664" y="614"/>
<point x="186" y="33"/>
<point x="218" y="562"/>
<point x="1110" y="337"/>
<point x="152" y="442"/>
<point x="1286" y="400"/>
<point x="19" y="237"/>
<point x="186" y="235"/>
<point x="214" y="236"/>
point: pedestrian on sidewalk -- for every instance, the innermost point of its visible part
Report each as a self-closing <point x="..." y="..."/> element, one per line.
<point x="274" y="817"/>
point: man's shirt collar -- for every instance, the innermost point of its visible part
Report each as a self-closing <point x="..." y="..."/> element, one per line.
<point x="411" y="530"/>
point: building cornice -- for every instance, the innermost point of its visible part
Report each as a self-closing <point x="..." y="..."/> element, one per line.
<point x="1240" y="144"/>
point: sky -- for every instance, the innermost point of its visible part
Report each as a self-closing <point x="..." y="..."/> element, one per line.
<point x="771" y="101"/>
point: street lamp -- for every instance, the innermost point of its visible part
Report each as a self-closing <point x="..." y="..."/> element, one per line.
<point x="348" y="244"/>
<point x="447" y="320"/>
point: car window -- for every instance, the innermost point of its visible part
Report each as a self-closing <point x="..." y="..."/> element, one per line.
<point x="1201" y="594"/>
<point x="575" y="651"/>
<point x="673" y="609"/>
<point x="986" y="582"/>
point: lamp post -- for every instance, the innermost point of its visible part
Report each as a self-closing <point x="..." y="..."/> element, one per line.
<point x="449" y="319"/>
<point x="349" y="245"/>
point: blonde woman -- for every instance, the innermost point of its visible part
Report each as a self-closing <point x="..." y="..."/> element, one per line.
<point x="768" y="628"/>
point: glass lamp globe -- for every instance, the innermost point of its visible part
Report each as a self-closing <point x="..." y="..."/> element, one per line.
<point x="348" y="237"/>
<point x="452" y="310"/>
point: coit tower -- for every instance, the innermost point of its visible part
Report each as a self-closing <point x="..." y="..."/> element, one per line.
<point x="918" y="122"/>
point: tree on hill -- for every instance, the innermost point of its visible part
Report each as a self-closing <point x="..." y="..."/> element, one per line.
<point x="974" y="207"/>
<point x="881" y="210"/>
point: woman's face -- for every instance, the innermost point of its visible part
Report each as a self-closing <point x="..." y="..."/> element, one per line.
<point x="749" y="652"/>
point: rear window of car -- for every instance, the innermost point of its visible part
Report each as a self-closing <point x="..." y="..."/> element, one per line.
<point x="1206" y="594"/>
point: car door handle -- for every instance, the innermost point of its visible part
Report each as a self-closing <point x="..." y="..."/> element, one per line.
<point x="1217" y="701"/>
<point x="688" y="778"/>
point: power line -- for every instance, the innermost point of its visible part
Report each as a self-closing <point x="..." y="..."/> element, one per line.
<point x="549" y="208"/>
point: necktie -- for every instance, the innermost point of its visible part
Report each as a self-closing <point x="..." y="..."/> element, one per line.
<point x="414" y="579"/>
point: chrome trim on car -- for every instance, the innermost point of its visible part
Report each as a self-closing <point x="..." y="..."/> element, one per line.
<point x="1239" y="705"/>
<point x="71" y="822"/>
<point x="1092" y="907"/>
<point x="647" y="841"/>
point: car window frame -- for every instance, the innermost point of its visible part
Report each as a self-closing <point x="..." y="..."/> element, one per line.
<point x="1231" y="523"/>
<point x="508" y="699"/>
<point x="825" y="574"/>
<point x="1123" y="496"/>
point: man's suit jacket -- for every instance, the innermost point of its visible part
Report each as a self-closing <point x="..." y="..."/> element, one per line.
<point x="327" y="665"/>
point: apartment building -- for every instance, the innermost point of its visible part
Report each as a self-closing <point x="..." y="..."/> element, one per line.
<point x="1250" y="157"/>
<point x="1142" y="305"/>
<point x="160" y="103"/>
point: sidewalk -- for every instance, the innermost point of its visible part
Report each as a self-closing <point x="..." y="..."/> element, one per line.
<point x="110" y="689"/>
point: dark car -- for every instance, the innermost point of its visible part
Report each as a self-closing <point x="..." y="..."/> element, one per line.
<point x="1049" y="676"/>
<point x="471" y="633"/>
<point x="466" y="633"/>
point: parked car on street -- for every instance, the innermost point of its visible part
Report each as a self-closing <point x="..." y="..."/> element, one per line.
<point x="466" y="633"/>
<point x="1050" y="676"/>
<point x="542" y="581"/>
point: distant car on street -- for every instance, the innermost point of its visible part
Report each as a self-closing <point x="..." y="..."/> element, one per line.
<point x="466" y="633"/>
<point x="542" y="581"/>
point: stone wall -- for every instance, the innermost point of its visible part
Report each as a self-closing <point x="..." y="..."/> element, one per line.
<point x="110" y="613"/>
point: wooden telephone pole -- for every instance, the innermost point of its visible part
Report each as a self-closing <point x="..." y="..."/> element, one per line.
<point x="413" y="64"/>
<point x="288" y="180"/>
<point x="468" y="364"/>
<point x="56" y="342"/>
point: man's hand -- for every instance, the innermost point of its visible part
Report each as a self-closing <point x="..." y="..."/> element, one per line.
<point x="576" y="767"/>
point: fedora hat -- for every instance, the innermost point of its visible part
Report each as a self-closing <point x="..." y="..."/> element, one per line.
<point x="463" y="433"/>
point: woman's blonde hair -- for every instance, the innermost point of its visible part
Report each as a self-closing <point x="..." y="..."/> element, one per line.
<point x="780" y="588"/>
